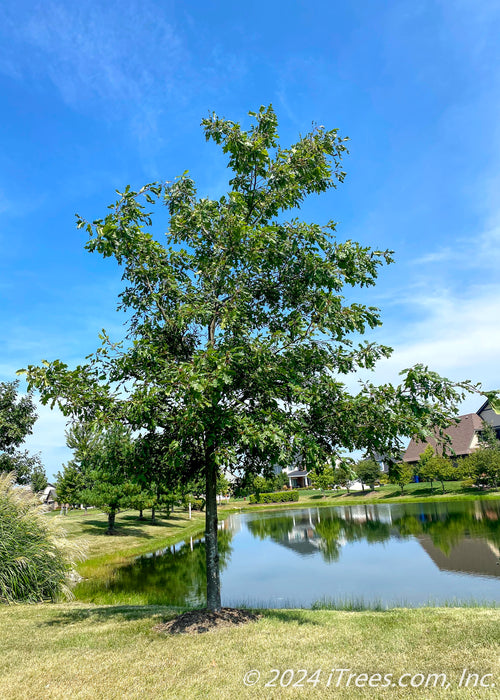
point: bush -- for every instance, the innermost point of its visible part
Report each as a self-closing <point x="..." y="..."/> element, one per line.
<point x="279" y="497"/>
<point x="36" y="559"/>
<point x="196" y="503"/>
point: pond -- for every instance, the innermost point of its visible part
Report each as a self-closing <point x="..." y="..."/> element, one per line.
<point x="375" y="555"/>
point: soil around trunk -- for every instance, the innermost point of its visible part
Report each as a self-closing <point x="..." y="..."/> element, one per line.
<point x="199" y="621"/>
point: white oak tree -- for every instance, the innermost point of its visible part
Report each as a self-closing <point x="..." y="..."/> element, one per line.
<point x="238" y="329"/>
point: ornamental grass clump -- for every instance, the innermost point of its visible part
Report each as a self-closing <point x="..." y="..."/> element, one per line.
<point x="36" y="558"/>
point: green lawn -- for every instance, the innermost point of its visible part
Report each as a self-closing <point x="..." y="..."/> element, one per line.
<point x="133" y="536"/>
<point x="84" y="651"/>
<point x="388" y="493"/>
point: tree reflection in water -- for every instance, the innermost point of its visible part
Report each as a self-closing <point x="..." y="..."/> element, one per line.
<point x="326" y="530"/>
<point x="173" y="576"/>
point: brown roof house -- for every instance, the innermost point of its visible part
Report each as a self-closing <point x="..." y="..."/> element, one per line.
<point x="463" y="436"/>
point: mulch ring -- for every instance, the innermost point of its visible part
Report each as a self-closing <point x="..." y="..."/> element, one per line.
<point x="198" y="621"/>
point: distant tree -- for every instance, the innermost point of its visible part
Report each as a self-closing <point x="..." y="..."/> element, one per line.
<point x="368" y="471"/>
<point x="324" y="479"/>
<point x="482" y="466"/>
<point x="488" y="438"/>
<point x="345" y="475"/>
<point x="105" y="458"/>
<point x="425" y="467"/>
<point x="17" y="416"/>
<point x="401" y="474"/>
<point x="70" y="484"/>
<point x="20" y="462"/>
<point x="38" y="478"/>
<point x="443" y="469"/>
<point x="259" y="485"/>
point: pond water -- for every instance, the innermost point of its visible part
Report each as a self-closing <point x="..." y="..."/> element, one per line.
<point x="382" y="555"/>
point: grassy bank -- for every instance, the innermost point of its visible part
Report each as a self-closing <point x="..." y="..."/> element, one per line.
<point x="82" y="651"/>
<point x="388" y="493"/>
<point x="133" y="536"/>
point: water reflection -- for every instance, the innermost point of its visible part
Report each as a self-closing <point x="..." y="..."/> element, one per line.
<point x="458" y="537"/>
<point x="175" y="575"/>
<point x="398" y="553"/>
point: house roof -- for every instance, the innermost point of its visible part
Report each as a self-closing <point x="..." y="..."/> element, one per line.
<point x="461" y="436"/>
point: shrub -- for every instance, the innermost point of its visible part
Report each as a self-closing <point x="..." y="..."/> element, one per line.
<point x="197" y="503"/>
<point x="36" y="559"/>
<point x="279" y="497"/>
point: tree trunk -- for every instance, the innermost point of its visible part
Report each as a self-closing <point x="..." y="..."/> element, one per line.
<point x="111" y="521"/>
<point x="211" y="547"/>
<point x="153" y="516"/>
<point x="141" y="517"/>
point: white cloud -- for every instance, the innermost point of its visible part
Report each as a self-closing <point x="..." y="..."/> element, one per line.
<point x="457" y="336"/>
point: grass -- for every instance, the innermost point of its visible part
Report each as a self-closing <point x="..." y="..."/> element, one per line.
<point x="133" y="536"/>
<point x="388" y="493"/>
<point x="113" y="652"/>
<point x="80" y="650"/>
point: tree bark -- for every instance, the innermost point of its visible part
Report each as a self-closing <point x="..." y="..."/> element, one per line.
<point x="153" y="516"/>
<point x="111" y="521"/>
<point x="211" y="546"/>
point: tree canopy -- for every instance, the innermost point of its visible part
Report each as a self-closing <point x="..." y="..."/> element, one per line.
<point x="239" y="331"/>
<point x="17" y="417"/>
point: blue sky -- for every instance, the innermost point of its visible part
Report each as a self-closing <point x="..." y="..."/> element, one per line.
<point x="99" y="94"/>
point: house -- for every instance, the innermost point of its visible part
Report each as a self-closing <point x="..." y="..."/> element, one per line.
<point x="487" y="414"/>
<point x="463" y="436"/>
<point x="49" y="497"/>
<point x="297" y="478"/>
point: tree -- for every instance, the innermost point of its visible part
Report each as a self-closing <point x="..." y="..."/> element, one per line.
<point x="345" y="475"/>
<point x="70" y="484"/>
<point x="22" y="463"/>
<point x="368" y="471"/>
<point x="324" y="479"/>
<point x="442" y="468"/>
<point x="38" y="477"/>
<point x="482" y="466"/>
<point x="238" y="332"/>
<point x="401" y="474"/>
<point x="103" y="459"/>
<point x="17" y="417"/>
<point x="425" y="467"/>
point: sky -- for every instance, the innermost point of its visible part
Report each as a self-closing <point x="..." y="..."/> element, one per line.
<point x="100" y="94"/>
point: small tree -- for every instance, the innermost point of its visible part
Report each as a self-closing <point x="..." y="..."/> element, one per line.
<point x="106" y="467"/>
<point x="345" y="475"/>
<point x="425" y="467"/>
<point x="443" y="469"/>
<point x="368" y="471"/>
<point x="70" y="484"/>
<point x="324" y="479"/>
<point x="483" y="466"/>
<point x="401" y="474"/>
<point x="38" y="477"/>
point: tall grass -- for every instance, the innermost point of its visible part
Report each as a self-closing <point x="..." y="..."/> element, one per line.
<point x="36" y="559"/>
